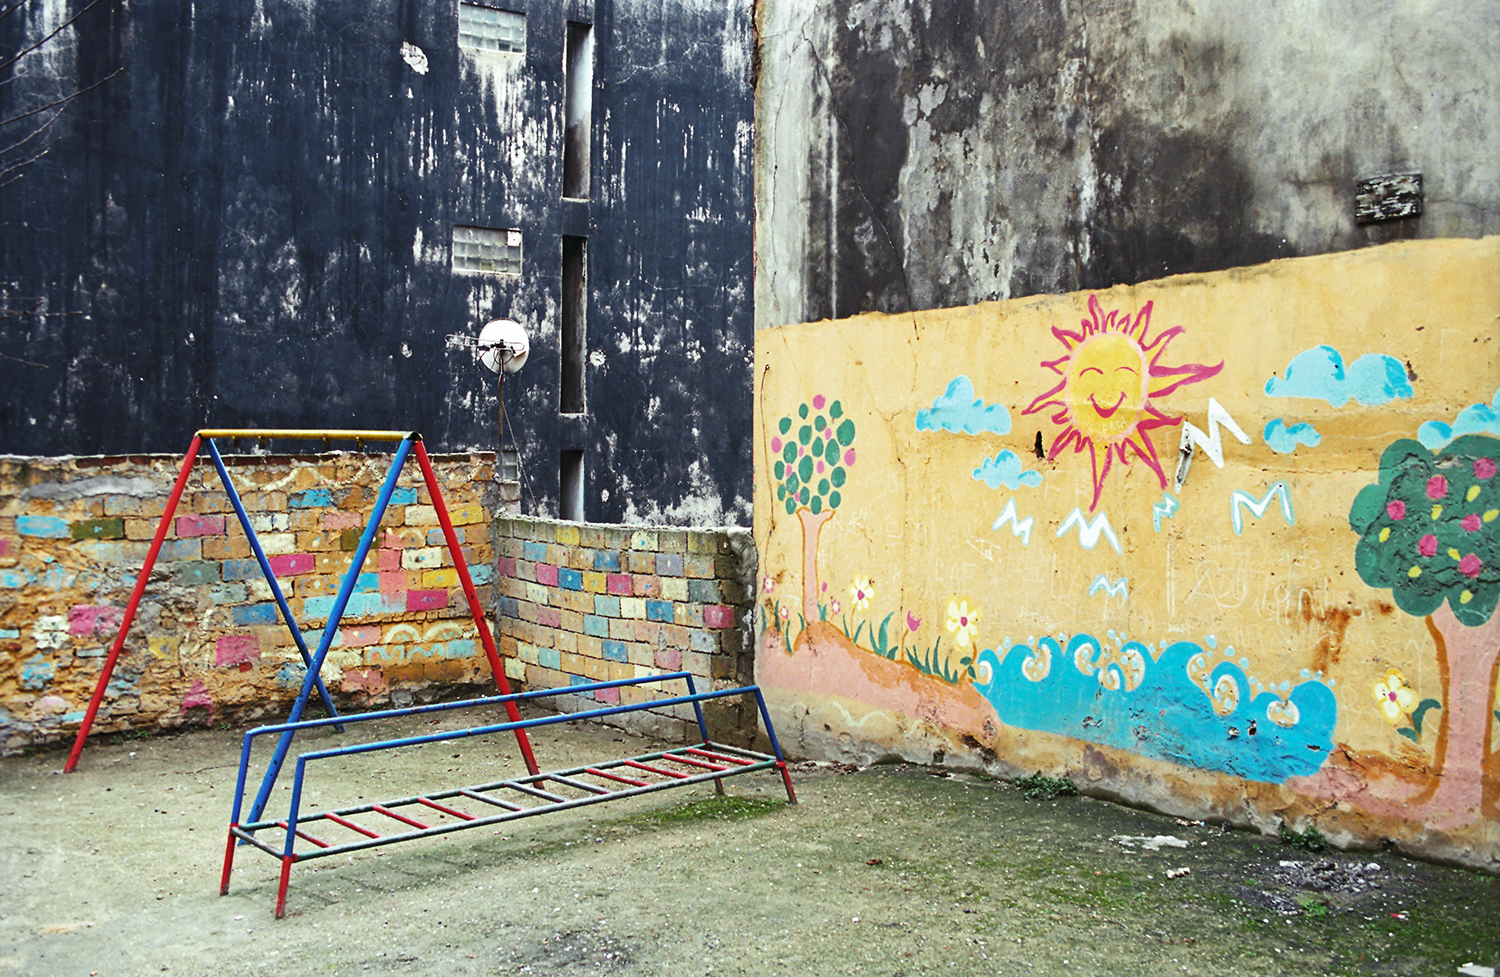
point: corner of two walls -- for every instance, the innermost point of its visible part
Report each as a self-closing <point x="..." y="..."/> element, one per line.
<point x="980" y="544"/>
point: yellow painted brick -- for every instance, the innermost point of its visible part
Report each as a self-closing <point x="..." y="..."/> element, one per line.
<point x="538" y="593"/>
<point x="527" y="652"/>
<point x="444" y="577"/>
<point x="594" y="582"/>
<point x="674" y="589"/>
<point x="568" y="535"/>
<point x="515" y="669"/>
<point x="633" y="607"/>
<point x="466" y="515"/>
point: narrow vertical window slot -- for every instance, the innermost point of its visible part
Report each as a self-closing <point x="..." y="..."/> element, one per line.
<point x="574" y="315"/>
<point x="578" y="108"/>
<point x="570" y="486"/>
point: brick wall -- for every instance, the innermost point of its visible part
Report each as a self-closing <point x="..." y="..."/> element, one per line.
<point x="207" y="643"/>
<point x="583" y="603"/>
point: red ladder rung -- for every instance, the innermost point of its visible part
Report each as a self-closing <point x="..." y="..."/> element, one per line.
<point x="616" y="777"/>
<point x="305" y="836"/>
<point x="351" y="825"/>
<point x="694" y="763"/>
<point x="657" y="770"/>
<point x="446" y="810"/>
<point x="382" y="809"/>
<point x="721" y="757"/>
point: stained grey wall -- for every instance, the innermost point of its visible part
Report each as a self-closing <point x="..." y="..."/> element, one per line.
<point x="249" y="226"/>
<point x="936" y="153"/>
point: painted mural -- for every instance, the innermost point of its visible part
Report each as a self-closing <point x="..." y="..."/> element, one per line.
<point x="1087" y="563"/>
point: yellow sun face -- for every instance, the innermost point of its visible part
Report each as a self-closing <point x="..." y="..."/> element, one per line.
<point x="1111" y="376"/>
<point x="1105" y="385"/>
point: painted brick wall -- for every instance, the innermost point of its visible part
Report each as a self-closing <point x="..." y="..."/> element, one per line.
<point x="208" y="644"/>
<point x="582" y="603"/>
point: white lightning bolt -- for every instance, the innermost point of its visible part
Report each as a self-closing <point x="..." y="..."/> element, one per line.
<point x="1089" y="530"/>
<point x="1018" y="527"/>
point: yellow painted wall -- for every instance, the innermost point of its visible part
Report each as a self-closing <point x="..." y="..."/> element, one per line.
<point x="1227" y="658"/>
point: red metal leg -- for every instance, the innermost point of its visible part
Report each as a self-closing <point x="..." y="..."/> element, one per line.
<point x="228" y="863"/>
<point x="286" y="877"/>
<point x="135" y="599"/>
<point x="462" y="568"/>
<point x="786" y="778"/>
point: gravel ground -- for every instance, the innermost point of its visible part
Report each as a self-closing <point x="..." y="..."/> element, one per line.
<point x="891" y="870"/>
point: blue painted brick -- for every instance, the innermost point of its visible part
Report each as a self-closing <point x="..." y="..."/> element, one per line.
<point x="195" y="573"/>
<point x="510" y="607"/>
<point x="181" y="549"/>
<point x="596" y="626"/>
<point x="404" y="496"/>
<point x="669" y="564"/>
<point x="366" y="583"/>
<point x="570" y="579"/>
<point x="549" y="658"/>
<point x="659" y="610"/>
<point x="435" y="536"/>
<point x="481" y="573"/>
<point x="462" y="648"/>
<point x="606" y="605"/>
<point x="317" y="498"/>
<point x="606" y="560"/>
<point x="534" y="551"/>
<point x="317" y="607"/>
<point x="241" y="570"/>
<point x="44" y="527"/>
<point x="615" y="651"/>
<point x="15" y="579"/>
<point x="255" y="614"/>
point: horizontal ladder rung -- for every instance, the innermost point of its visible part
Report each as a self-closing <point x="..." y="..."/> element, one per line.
<point x="614" y="776"/>
<point x="351" y="825"/>
<point x="382" y="809"/>
<point x="579" y="785"/>
<point x="305" y="836"/>
<point x="534" y="791"/>
<point x="656" y="770"/>
<point x="445" y="809"/>
<point x="492" y="800"/>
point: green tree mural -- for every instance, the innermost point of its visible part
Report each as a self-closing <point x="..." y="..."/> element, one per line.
<point x="813" y="450"/>
<point x="1430" y="531"/>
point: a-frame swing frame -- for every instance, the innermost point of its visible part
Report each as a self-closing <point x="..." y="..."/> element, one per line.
<point x="406" y="442"/>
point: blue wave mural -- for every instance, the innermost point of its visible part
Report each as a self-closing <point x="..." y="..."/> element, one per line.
<point x="1124" y="697"/>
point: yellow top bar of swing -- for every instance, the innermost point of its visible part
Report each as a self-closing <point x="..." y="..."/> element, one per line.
<point x="309" y="435"/>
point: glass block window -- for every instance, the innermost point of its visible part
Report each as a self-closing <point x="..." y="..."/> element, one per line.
<point x="486" y="250"/>
<point x="484" y="28"/>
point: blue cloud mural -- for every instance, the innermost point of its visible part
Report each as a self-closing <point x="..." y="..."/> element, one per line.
<point x="1126" y="699"/>
<point x="959" y="411"/>
<point x="1474" y="419"/>
<point x="1284" y="439"/>
<point x="1319" y="373"/>
<point x="1005" y="469"/>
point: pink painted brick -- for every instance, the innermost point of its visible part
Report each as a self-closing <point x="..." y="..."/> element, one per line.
<point x="188" y="526"/>
<point x="5" y="547"/>
<point x="426" y="600"/>
<point x="343" y="520"/>
<point x="236" y="649"/>
<point x="718" y="616"/>
<point x="90" y="619"/>
<point x="505" y="566"/>
<point x="359" y="636"/>
<point x="546" y="573"/>
<point x="647" y="585"/>
<point x="291" y="564"/>
<point x="619" y="583"/>
<point x="197" y="698"/>
<point x="608" y="696"/>
<point x="549" y="617"/>
<point x="669" y="658"/>
<point x="388" y="560"/>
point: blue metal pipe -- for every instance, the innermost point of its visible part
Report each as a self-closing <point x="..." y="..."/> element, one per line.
<point x="346" y="589"/>
<point x="265" y="568"/>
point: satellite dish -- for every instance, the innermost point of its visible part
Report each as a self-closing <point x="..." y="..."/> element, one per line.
<point x="503" y="346"/>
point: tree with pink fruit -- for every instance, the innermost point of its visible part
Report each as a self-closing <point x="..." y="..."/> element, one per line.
<point x="1430" y="531"/>
<point x="813" y="450"/>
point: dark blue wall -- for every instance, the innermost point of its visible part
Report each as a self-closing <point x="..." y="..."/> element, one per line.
<point x="250" y="226"/>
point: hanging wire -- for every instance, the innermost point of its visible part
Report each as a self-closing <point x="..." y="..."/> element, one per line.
<point x="520" y="463"/>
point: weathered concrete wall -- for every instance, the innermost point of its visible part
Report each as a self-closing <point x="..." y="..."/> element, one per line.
<point x="975" y="547"/>
<point x="937" y="153"/>
<point x="208" y="644"/>
<point x="250" y="224"/>
<point x="586" y="603"/>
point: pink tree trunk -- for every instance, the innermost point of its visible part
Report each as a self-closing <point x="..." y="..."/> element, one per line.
<point x="1468" y="658"/>
<point x="812" y="527"/>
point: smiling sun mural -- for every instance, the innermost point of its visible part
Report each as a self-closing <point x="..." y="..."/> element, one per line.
<point x="1111" y="375"/>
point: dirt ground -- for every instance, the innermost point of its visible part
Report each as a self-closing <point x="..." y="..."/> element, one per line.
<point x="891" y="870"/>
